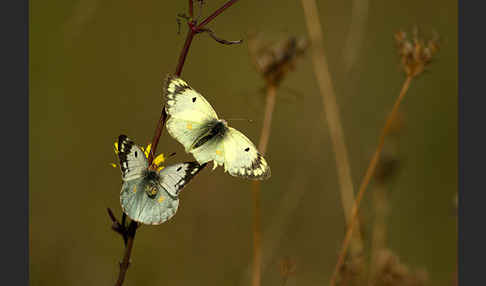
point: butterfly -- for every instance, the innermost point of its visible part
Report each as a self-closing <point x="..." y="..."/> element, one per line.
<point x="194" y="123"/>
<point x="148" y="196"/>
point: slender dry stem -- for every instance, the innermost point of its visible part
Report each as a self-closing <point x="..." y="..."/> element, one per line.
<point x="262" y="147"/>
<point x="332" y="115"/>
<point x="378" y="240"/>
<point x="367" y="178"/>
<point x="257" y="236"/>
<point x="267" y="119"/>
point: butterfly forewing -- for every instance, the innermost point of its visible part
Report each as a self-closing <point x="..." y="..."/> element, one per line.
<point x="185" y="103"/>
<point x="133" y="162"/>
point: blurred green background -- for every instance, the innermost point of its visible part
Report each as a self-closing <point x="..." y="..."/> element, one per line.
<point x="95" y="72"/>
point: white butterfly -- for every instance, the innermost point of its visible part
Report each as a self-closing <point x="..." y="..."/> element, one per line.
<point x="194" y="123"/>
<point x="148" y="196"/>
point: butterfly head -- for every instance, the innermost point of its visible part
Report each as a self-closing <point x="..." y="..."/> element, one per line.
<point x="223" y="123"/>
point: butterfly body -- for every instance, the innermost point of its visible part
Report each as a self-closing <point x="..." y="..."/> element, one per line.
<point x="148" y="196"/>
<point x="217" y="128"/>
<point x="194" y="123"/>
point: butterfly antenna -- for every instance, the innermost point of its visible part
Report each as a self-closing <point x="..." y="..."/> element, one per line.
<point x="232" y="119"/>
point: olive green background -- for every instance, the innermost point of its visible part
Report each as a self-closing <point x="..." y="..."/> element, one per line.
<point x="95" y="72"/>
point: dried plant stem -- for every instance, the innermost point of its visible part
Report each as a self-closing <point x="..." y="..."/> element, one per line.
<point x="378" y="239"/>
<point x="332" y="115"/>
<point x="257" y="235"/>
<point x="356" y="33"/>
<point x="367" y="178"/>
<point x="262" y="147"/>
<point x="267" y="119"/>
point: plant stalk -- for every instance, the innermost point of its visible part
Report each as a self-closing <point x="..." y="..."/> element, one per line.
<point x="331" y="111"/>
<point x="367" y="178"/>
<point x="262" y="147"/>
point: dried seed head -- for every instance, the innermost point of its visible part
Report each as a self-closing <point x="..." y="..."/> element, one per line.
<point x="391" y="271"/>
<point x="275" y="60"/>
<point x="415" y="53"/>
<point x="352" y="271"/>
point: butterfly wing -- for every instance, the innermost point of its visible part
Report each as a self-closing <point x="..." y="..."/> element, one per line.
<point x="173" y="178"/>
<point x="185" y="103"/>
<point x="211" y="150"/>
<point x="241" y="158"/>
<point x="186" y="131"/>
<point x="141" y="208"/>
<point x="133" y="162"/>
<point x="189" y="112"/>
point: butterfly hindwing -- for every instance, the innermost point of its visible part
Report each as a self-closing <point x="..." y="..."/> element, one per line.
<point x="132" y="159"/>
<point x="241" y="158"/>
<point x="145" y="209"/>
<point x="211" y="150"/>
<point x="185" y="131"/>
<point x="173" y="178"/>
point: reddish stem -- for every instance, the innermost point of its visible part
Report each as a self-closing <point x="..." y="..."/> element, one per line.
<point x="191" y="8"/>
<point x="194" y="29"/>
<point x="129" y="233"/>
<point x="185" y="50"/>
<point x="158" y="132"/>
<point x="215" y="14"/>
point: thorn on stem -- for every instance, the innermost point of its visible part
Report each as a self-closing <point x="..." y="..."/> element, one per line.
<point x="219" y="40"/>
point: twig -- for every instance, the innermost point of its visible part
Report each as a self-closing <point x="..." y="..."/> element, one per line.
<point x="191" y="8"/>
<point x="158" y="133"/>
<point x="131" y="231"/>
<point x="128" y="234"/>
<point x="332" y="115"/>
<point x="262" y="147"/>
<point x="368" y="175"/>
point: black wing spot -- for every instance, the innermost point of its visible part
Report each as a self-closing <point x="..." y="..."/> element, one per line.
<point x="178" y="169"/>
<point x="193" y="99"/>
<point x="247" y="149"/>
<point x="135" y="154"/>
